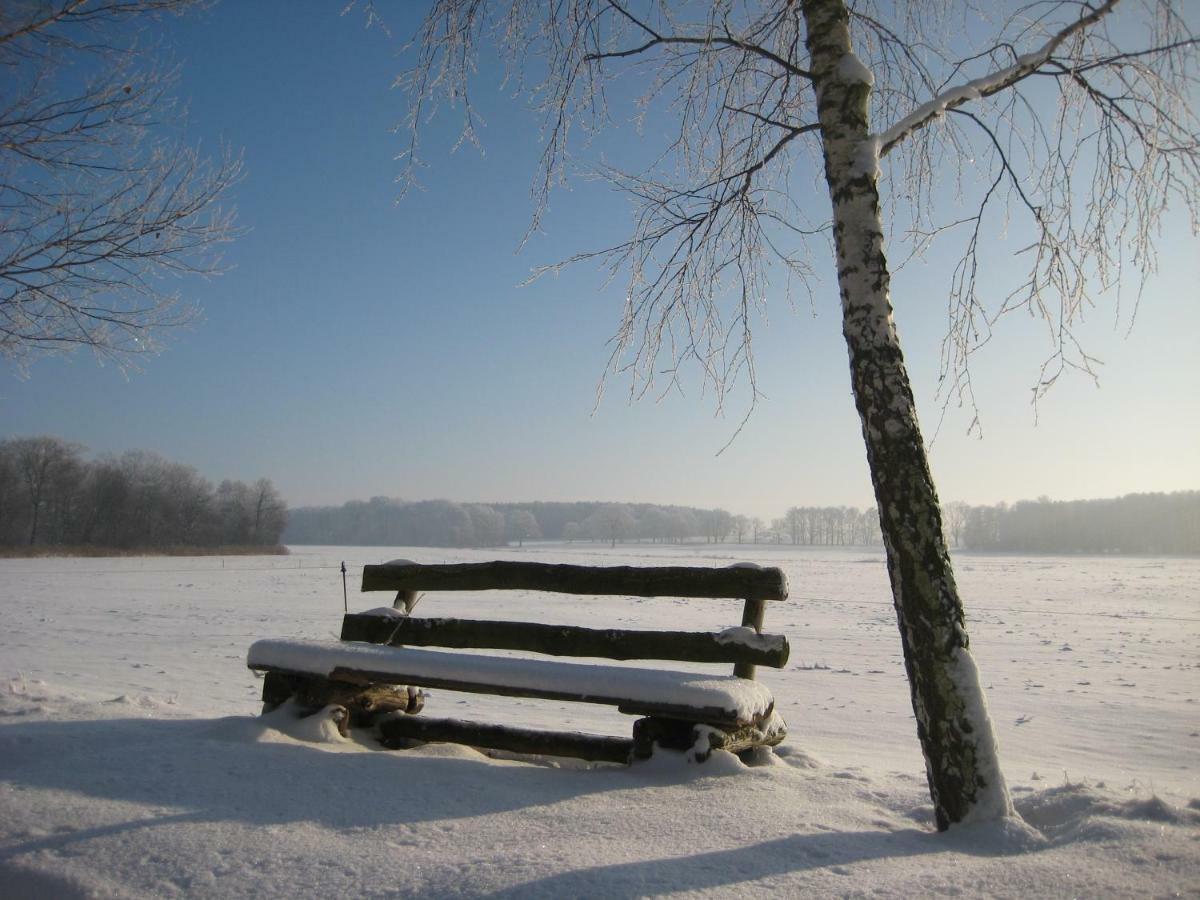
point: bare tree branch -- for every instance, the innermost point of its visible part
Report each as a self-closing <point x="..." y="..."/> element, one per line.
<point x="99" y="204"/>
<point x="992" y="83"/>
<point x="707" y="39"/>
<point x="1085" y="152"/>
<point x="737" y="83"/>
<point x="742" y="101"/>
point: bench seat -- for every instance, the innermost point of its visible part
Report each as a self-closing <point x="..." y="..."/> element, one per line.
<point x="715" y="699"/>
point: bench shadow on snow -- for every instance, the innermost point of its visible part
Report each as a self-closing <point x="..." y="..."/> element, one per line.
<point x="223" y="770"/>
<point x="234" y="769"/>
<point x="188" y="771"/>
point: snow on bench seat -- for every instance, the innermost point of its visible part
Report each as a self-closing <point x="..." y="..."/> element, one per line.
<point x="715" y="699"/>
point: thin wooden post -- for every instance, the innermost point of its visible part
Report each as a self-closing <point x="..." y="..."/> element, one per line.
<point x="405" y="601"/>
<point x="752" y="617"/>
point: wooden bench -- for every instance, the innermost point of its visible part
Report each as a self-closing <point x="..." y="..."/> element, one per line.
<point x="690" y="711"/>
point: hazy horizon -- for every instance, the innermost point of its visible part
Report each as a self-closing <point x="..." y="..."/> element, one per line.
<point x="88" y="454"/>
<point x="526" y="501"/>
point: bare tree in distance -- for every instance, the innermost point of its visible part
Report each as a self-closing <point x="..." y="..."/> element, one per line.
<point x="1069" y="122"/>
<point x="100" y="206"/>
<point x="39" y="462"/>
<point x="522" y="524"/>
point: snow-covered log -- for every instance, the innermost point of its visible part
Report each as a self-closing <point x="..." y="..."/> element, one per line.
<point x="635" y="581"/>
<point x="400" y="732"/>
<point x="363" y="703"/>
<point x="743" y="646"/>
<point x="698" y="697"/>
<point x="701" y="740"/>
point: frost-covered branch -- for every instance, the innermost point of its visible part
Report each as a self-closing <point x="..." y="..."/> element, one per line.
<point x="1078" y="143"/>
<point x="707" y="38"/>
<point x="712" y="209"/>
<point x="986" y="85"/>
<point x="98" y="204"/>
<point x="1068" y="121"/>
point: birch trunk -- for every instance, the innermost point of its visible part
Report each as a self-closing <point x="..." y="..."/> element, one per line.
<point x="952" y="722"/>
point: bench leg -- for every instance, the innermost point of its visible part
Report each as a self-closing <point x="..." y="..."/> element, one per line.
<point x="363" y="703"/>
<point x="699" y="740"/>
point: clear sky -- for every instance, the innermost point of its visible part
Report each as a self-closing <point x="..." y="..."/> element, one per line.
<point x="359" y="347"/>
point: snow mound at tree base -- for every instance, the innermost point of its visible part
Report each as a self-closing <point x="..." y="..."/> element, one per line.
<point x="1070" y="811"/>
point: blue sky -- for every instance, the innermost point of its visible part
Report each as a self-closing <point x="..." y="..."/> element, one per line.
<point x="359" y="347"/>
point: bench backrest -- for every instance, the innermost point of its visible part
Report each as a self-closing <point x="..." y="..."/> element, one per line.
<point x="744" y="646"/>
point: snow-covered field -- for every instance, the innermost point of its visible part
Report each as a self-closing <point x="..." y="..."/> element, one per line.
<point x="132" y="762"/>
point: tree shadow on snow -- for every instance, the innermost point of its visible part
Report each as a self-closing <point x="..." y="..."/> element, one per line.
<point x="832" y="851"/>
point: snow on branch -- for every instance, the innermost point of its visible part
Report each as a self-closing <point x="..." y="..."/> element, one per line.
<point x="986" y="85"/>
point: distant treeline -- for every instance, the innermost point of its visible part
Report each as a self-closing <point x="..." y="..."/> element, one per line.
<point x="825" y="526"/>
<point x="52" y="496"/>
<point x="441" y="523"/>
<point x="1136" y="523"/>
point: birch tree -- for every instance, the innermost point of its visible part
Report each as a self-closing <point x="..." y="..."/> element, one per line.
<point x="786" y="130"/>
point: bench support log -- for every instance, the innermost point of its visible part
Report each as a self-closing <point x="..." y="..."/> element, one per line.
<point x="702" y="740"/>
<point x="398" y="732"/>
<point x="363" y="703"/>
<point x="752" y="617"/>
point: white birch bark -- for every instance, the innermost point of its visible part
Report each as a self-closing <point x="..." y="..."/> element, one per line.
<point x="952" y="722"/>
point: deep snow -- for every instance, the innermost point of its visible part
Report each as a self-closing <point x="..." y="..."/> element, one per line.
<point x="132" y="762"/>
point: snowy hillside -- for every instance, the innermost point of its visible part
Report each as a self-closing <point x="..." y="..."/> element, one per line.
<point x="132" y="762"/>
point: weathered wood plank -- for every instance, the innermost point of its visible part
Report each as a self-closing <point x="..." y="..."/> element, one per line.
<point x="743" y="582"/>
<point x="633" y="707"/>
<point x="564" y="640"/>
<point x="397" y="731"/>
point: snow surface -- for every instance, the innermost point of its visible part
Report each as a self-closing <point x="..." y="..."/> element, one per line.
<point x="133" y="764"/>
<point x="744" y="702"/>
